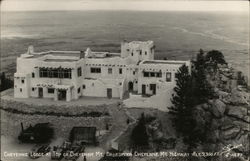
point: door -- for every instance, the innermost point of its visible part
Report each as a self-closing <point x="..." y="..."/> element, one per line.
<point x="153" y="88"/>
<point x="109" y="92"/>
<point x="61" y="94"/>
<point x="130" y="86"/>
<point x="40" y="92"/>
<point x="143" y="89"/>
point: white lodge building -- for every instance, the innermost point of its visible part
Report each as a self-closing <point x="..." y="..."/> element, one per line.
<point x="68" y="75"/>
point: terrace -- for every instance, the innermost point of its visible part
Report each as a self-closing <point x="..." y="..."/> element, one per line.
<point x="82" y="101"/>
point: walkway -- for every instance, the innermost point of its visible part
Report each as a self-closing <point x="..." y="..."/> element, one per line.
<point x="119" y="124"/>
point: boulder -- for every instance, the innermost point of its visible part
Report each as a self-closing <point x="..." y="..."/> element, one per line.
<point x="230" y="133"/>
<point x="217" y="107"/>
<point x="223" y="96"/>
<point x="243" y="125"/>
<point x="239" y="112"/>
<point x="239" y="97"/>
<point x="205" y="106"/>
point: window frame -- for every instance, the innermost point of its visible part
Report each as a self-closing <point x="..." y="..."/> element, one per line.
<point x="95" y="70"/>
<point x="110" y="70"/>
<point x="51" y="90"/>
<point x="120" y="70"/>
<point x="168" y="79"/>
<point x="79" y="71"/>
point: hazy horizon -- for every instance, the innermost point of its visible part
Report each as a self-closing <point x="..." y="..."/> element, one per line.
<point x="114" y="5"/>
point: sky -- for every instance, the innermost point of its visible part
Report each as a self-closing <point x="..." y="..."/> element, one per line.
<point x="138" y="5"/>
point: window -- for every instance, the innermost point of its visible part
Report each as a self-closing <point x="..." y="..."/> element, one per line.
<point x="152" y="86"/>
<point x="146" y="53"/>
<point x="51" y="90"/>
<point x="120" y="70"/>
<point x="95" y="70"/>
<point x="79" y="90"/>
<point x="83" y="86"/>
<point x="21" y="89"/>
<point x="140" y="52"/>
<point x="132" y="54"/>
<point x="66" y="73"/>
<point x="22" y="80"/>
<point x="33" y="75"/>
<point x="120" y="83"/>
<point x="146" y="74"/>
<point x="55" y="73"/>
<point x="33" y="89"/>
<point x="127" y="50"/>
<point x="168" y="77"/>
<point x="159" y="74"/>
<point x="109" y="70"/>
<point x="79" y="71"/>
<point x="133" y="72"/>
<point x="152" y="74"/>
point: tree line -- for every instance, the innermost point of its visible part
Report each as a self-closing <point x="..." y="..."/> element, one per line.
<point x="5" y="83"/>
<point x="192" y="89"/>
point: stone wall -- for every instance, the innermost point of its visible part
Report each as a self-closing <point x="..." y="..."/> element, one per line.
<point x="63" y="118"/>
<point x="69" y="110"/>
<point x="11" y="123"/>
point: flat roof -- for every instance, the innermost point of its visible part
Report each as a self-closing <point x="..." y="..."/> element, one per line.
<point x="141" y="42"/>
<point x="60" y="60"/>
<point x="56" y="53"/>
<point x="163" y="62"/>
<point x="65" y="53"/>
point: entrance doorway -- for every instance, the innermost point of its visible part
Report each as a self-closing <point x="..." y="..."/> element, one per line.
<point x="143" y="89"/>
<point x="153" y="88"/>
<point x="130" y="86"/>
<point x="40" y="92"/>
<point x="61" y="94"/>
<point x="109" y="92"/>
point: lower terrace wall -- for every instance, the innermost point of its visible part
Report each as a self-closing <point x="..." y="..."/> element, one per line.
<point x="10" y="123"/>
<point x="63" y="118"/>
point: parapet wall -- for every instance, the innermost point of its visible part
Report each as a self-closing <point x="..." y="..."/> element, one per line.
<point x="63" y="118"/>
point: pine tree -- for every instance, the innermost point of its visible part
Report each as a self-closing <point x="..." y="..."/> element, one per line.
<point x="180" y="99"/>
<point x="183" y="101"/>
<point x="139" y="134"/>
<point x="202" y="87"/>
<point x="216" y="57"/>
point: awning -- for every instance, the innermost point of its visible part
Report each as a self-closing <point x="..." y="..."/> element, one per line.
<point x="64" y="87"/>
<point x="45" y="85"/>
<point x="58" y="68"/>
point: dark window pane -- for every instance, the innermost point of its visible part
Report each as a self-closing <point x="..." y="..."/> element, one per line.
<point x="51" y="90"/>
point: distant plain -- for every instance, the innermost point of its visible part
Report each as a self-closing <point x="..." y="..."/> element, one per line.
<point x="177" y="35"/>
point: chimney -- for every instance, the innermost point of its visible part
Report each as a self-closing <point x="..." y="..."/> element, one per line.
<point x="82" y="54"/>
<point x="30" y="50"/>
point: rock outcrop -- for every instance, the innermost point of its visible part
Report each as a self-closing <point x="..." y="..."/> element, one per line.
<point x="228" y="114"/>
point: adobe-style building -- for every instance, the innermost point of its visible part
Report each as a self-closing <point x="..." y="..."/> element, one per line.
<point x="68" y="75"/>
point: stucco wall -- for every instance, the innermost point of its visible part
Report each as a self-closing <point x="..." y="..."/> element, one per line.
<point x="98" y="88"/>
